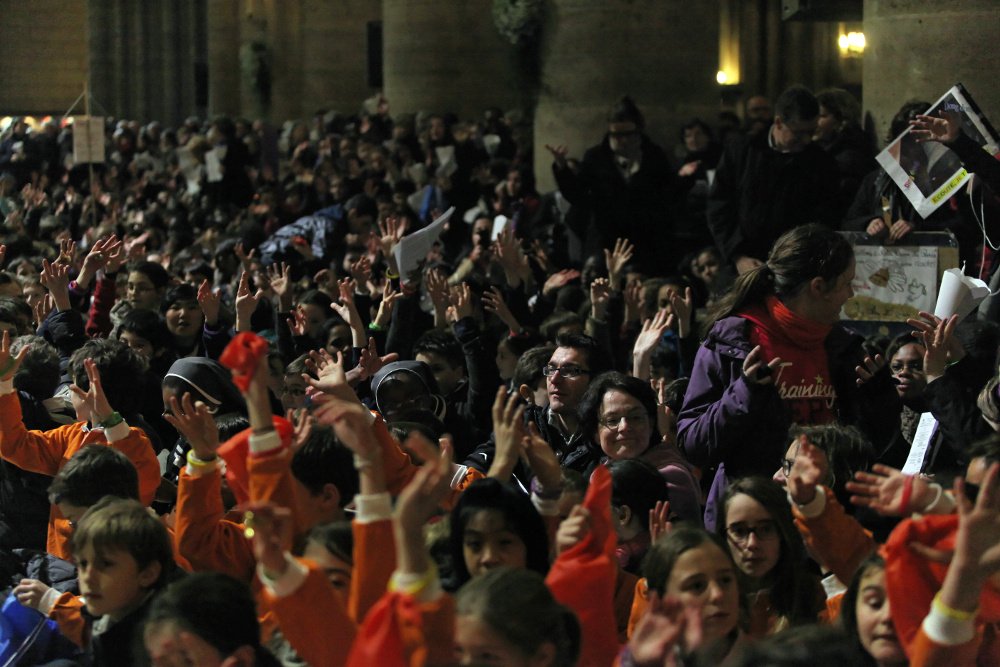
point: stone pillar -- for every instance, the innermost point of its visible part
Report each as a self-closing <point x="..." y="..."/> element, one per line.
<point x="664" y="53"/>
<point x="223" y="36"/>
<point x="446" y="56"/>
<point x="920" y="48"/>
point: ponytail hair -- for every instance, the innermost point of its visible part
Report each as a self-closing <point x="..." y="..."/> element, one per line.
<point x="799" y="255"/>
<point x="518" y="606"/>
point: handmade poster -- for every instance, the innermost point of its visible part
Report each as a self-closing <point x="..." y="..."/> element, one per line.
<point x="892" y="283"/>
<point x="928" y="173"/>
<point x="411" y="251"/>
<point x="88" y="139"/>
<point x="213" y="164"/>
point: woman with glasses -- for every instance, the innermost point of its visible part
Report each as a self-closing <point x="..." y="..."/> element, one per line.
<point x="775" y="355"/>
<point x="618" y="414"/>
<point x="756" y="522"/>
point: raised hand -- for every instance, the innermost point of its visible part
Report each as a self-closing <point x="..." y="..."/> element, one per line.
<point x="615" y="260"/>
<point x="389" y="298"/>
<point x="927" y="328"/>
<point x="361" y="270"/>
<point x="659" y="520"/>
<point x="270" y="527"/>
<point x="95" y="260"/>
<point x="559" y="154"/>
<point x="194" y="421"/>
<point x="755" y="371"/>
<point x="297" y="322"/>
<point x="600" y="296"/>
<point x="937" y="343"/>
<point x="683" y="307"/>
<point x="461" y="301"/>
<point x="646" y="342"/>
<point x="115" y="255"/>
<point x="416" y="504"/>
<point x="560" y="279"/>
<point x="666" y="632"/>
<point x="542" y="458"/>
<point x="330" y="375"/>
<point x="493" y="302"/>
<point x="884" y="490"/>
<point x="209" y="301"/>
<point x="509" y="433"/>
<point x="279" y="276"/>
<point x="945" y="128"/>
<point x="94" y="401"/>
<point x="633" y="295"/>
<point x="67" y="252"/>
<point x="246" y="302"/>
<point x="808" y="471"/>
<point x="868" y="368"/>
<point x="370" y="362"/>
<point x="55" y="278"/>
<point x="390" y="232"/>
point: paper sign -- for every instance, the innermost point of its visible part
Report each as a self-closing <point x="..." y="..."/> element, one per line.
<point x="88" y="139"/>
<point x="411" y="251"/>
<point x="191" y="169"/>
<point x="959" y="294"/>
<point x="499" y="224"/>
<point x="213" y="166"/>
<point x="921" y="441"/>
<point x="892" y="283"/>
<point x="928" y="173"/>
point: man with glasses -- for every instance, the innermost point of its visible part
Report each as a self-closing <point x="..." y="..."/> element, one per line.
<point x="622" y="189"/>
<point x="576" y="361"/>
<point x="771" y="182"/>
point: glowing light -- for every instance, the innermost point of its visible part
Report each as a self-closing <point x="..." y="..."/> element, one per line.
<point x="721" y="77"/>
<point x="851" y="43"/>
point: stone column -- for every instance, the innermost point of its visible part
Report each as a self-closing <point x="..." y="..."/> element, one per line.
<point x="920" y="48"/>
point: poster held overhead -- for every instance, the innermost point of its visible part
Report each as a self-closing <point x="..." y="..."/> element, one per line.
<point x="88" y="139"/>
<point x="929" y="173"/>
<point x="411" y="251"/>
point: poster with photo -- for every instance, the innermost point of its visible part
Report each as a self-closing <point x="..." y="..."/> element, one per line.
<point x="928" y="173"/>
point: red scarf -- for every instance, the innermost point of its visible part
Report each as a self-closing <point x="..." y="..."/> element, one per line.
<point x="803" y="379"/>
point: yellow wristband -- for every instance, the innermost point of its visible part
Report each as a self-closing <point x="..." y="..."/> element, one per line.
<point x="390" y="275"/>
<point x="195" y="462"/>
<point x="954" y="614"/>
<point x="398" y="583"/>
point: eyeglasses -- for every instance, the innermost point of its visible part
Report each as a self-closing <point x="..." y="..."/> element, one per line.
<point x="912" y="366"/>
<point x="632" y="420"/>
<point x="740" y="533"/>
<point x="569" y="372"/>
<point x="786" y="466"/>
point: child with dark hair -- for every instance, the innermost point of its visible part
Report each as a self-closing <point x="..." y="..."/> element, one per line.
<point x="124" y="556"/>
<point x="47" y="452"/>
<point x="185" y="320"/>
<point x="208" y="615"/>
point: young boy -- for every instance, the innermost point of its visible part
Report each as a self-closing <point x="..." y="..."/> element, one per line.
<point x="123" y="556"/>
<point x="47" y="452"/>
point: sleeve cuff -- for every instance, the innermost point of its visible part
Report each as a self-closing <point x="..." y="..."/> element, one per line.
<point x="545" y="507"/>
<point x="373" y="507"/>
<point x="948" y="631"/>
<point x="48" y="601"/>
<point x="289" y="582"/>
<point x="119" y="431"/>
<point x="264" y="443"/>
<point x="458" y="474"/>
<point x="815" y="507"/>
<point x="6" y="387"/>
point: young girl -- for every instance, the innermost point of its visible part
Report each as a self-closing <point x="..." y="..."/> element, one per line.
<point x="756" y="522"/>
<point x="694" y="567"/>
<point x="494" y="525"/>
<point x="867" y="618"/>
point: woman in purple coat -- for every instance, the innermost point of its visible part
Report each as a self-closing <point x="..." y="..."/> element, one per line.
<point x="775" y="355"/>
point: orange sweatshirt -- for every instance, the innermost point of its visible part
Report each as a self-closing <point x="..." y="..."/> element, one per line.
<point x="46" y="452"/>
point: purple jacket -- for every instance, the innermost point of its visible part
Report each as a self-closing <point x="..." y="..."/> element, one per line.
<point x="742" y="428"/>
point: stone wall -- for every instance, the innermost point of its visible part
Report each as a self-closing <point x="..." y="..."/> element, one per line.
<point x="43" y="55"/>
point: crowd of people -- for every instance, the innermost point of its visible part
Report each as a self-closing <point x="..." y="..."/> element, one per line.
<point x="617" y="423"/>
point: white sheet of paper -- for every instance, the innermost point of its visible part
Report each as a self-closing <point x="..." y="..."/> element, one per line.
<point x="959" y="294"/>
<point x="213" y="166"/>
<point x="88" y="139"/>
<point x="499" y="224"/>
<point x="921" y="441"/>
<point x="411" y="251"/>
